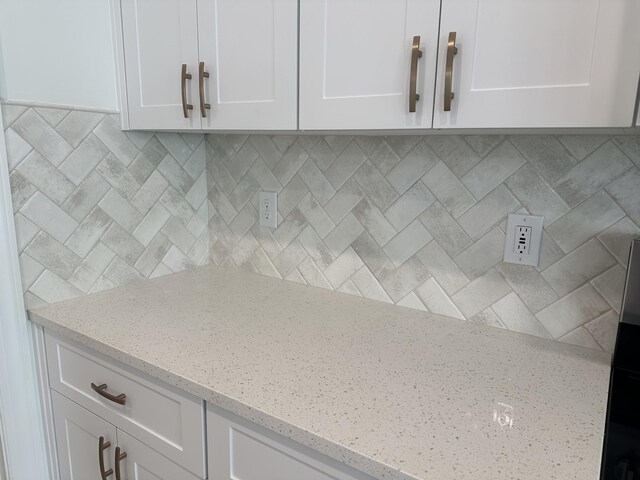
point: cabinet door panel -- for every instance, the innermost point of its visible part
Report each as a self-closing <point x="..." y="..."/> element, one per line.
<point x="77" y="435"/>
<point x="160" y="36"/>
<point x="532" y="63"/>
<point x="250" y="49"/>
<point x="144" y="463"/>
<point x="355" y="62"/>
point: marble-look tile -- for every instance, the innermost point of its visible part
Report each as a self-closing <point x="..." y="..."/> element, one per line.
<point x="108" y="131"/>
<point x="411" y="204"/>
<point x="492" y="170"/>
<point x="488" y="212"/>
<point x="317" y="183"/>
<point x="572" y="311"/>
<point x="442" y="268"/>
<point x="343" y="235"/>
<point x="375" y="186"/>
<point x="343" y="267"/>
<point x="368" y="285"/>
<point x="53" y="255"/>
<point x="517" y="317"/>
<point x="378" y="152"/>
<point x="48" y="216"/>
<point x="546" y="154"/>
<point x="454" y="152"/>
<point x="593" y="173"/>
<point x="344" y="200"/>
<point x="407" y="243"/>
<point x="482" y="255"/>
<point x="398" y="282"/>
<point x="527" y="282"/>
<point x="617" y="239"/>
<point x="45" y="177"/>
<point x="581" y="337"/>
<point x="604" y="330"/>
<point x="77" y="125"/>
<point x="436" y="300"/>
<point x="481" y="293"/>
<point x="415" y="164"/>
<point x="449" y="191"/>
<point x="585" y="221"/>
<point x="610" y="285"/>
<point x="372" y="219"/>
<point x="41" y="136"/>
<point x="445" y="229"/>
<point x="84" y="159"/>
<point x="624" y="190"/>
<point x="345" y="165"/>
<point x="536" y="195"/>
<point x="578" y="267"/>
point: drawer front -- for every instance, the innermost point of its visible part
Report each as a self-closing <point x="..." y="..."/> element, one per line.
<point x="161" y="416"/>
<point x="240" y="450"/>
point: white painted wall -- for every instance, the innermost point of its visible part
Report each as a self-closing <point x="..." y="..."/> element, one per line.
<point x="57" y="52"/>
<point x="22" y="425"/>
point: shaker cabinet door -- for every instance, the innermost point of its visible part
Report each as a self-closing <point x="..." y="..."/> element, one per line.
<point x="356" y="63"/>
<point x="160" y="42"/>
<point x="143" y="463"/>
<point x="532" y="63"/>
<point x="78" y="433"/>
<point x="249" y="50"/>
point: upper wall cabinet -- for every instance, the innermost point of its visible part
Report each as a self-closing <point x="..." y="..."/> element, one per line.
<point x="367" y="64"/>
<point x="532" y="63"/>
<point x="211" y="64"/>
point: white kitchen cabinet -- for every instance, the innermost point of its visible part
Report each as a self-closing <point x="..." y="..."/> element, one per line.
<point x="210" y="64"/>
<point x="356" y="63"/>
<point x="250" y="50"/>
<point x="78" y="435"/>
<point x="144" y="463"/>
<point x="239" y="449"/>
<point x="160" y="38"/>
<point x="536" y="63"/>
<point x="164" y="426"/>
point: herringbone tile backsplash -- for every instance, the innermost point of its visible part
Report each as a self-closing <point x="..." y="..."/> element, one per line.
<point x="419" y="221"/>
<point x="96" y="208"/>
<point x="413" y="220"/>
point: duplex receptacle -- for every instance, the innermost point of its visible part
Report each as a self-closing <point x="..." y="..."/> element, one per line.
<point x="523" y="239"/>
<point x="268" y="209"/>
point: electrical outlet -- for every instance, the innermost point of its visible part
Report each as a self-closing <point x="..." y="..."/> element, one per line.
<point x="268" y="209"/>
<point x="524" y="239"/>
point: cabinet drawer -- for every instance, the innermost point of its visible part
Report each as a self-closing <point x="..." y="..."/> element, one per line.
<point x="161" y="416"/>
<point x="241" y="450"/>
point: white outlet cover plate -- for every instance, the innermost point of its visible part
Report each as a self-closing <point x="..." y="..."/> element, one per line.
<point x="533" y="257"/>
<point x="271" y="199"/>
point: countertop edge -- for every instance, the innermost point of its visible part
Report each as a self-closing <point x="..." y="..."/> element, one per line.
<point x="335" y="451"/>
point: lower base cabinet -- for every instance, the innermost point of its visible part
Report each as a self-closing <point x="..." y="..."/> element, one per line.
<point x="157" y="432"/>
<point x="88" y="448"/>
<point x="239" y="449"/>
<point x="78" y="433"/>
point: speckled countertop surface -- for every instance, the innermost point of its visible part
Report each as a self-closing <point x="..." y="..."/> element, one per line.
<point x="394" y="392"/>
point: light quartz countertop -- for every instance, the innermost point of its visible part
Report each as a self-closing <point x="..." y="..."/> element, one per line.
<point x="394" y="392"/>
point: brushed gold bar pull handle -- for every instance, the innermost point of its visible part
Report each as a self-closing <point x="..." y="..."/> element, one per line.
<point x="102" y="446"/>
<point x="202" y="74"/>
<point x="416" y="54"/>
<point x="119" y="458"/>
<point x="183" y="84"/>
<point x="448" y="73"/>
<point x="102" y="391"/>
